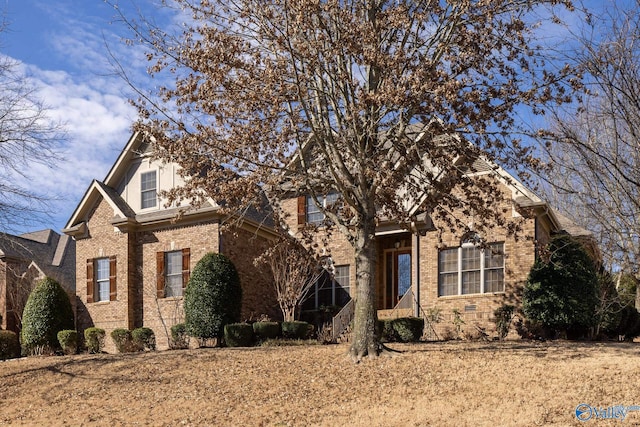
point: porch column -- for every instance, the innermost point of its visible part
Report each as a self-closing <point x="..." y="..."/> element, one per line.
<point x="415" y="280"/>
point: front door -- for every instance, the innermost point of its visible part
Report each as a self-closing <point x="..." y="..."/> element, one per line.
<point x="397" y="276"/>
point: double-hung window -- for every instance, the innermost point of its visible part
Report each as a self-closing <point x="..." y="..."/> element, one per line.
<point x="314" y="213"/>
<point x="101" y="279"/>
<point x="148" y="190"/>
<point x="470" y="269"/>
<point x="173" y="272"/>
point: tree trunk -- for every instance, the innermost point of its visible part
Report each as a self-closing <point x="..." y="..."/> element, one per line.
<point x="365" y="339"/>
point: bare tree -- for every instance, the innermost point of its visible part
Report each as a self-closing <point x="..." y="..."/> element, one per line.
<point x="27" y="137"/>
<point x="596" y="154"/>
<point x="295" y="272"/>
<point x="384" y="103"/>
<point x="19" y="280"/>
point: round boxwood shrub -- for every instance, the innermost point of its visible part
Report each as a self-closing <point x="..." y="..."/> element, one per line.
<point x="238" y="334"/>
<point x="266" y="330"/>
<point x="47" y="312"/>
<point x="123" y="340"/>
<point x="68" y="340"/>
<point x="94" y="339"/>
<point x="179" y="336"/>
<point x="144" y="338"/>
<point x="9" y="345"/>
<point x="408" y="329"/>
<point x="295" y="330"/>
<point x="212" y="298"/>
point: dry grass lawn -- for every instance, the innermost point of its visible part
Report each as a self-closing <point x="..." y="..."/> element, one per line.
<point x="444" y="384"/>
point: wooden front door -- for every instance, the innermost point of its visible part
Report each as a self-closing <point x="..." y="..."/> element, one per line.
<point x="397" y="276"/>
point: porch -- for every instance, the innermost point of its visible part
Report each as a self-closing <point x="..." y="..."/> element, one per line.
<point x="398" y="280"/>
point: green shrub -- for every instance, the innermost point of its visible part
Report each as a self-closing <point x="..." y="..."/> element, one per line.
<point x="629" y="326"/>
<point x="123" y="340"/>
<point x="266" y="330"/>
<point x="68" y="340"/>
<point x="408" y="329"/>
<point x="47" y="312"/>
<point x="561" y="290"/>
<point x="402" y="329"/>
<point x="9" y="345"/>
<point x="238" y="334"/>
<point x="94" y="339"/>
<point x="503" y="316"/>
<point x="385" y="328"/>
<point x="296" y="330"/>
<point x="212" y="298"/>
<point x="144" y="338"/>
<point x="179" y="336"/>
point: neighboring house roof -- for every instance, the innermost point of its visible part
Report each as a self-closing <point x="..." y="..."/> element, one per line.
<point x="51" y="253"/>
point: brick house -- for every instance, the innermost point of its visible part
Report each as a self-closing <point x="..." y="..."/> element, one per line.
<point x="428" y="268"/>
<point x="134" y="255"/>
<point x="24" y="260"/>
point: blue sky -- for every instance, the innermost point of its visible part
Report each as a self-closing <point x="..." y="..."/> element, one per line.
<point x="61" y="46"/>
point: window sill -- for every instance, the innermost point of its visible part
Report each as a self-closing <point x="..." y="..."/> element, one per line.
<point x="181" y="297"/>
<point x="99" y="302"/>
<point x="484" y="295"/>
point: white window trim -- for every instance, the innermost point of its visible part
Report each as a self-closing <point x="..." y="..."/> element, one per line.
<point x="157" y="204"/>
<point x="323" y="199"/>
<point x="167" y="275"/>
<point x="482" y="271"/>
<point x="97" y="297"/>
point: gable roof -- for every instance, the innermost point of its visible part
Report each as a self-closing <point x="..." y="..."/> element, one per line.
<point x="125" y="218"/>
<point x="522" y="196"/>
<point x="53" y="254"/>
<point x="130" y="150"/>
<point x="96" y="191"/>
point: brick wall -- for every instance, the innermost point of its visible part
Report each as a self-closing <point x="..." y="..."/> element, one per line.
<point x="336" y="245"/>
<point x="104" y="241"/>
<point x="258" y="294"/>
<point x="160" y="314"/>
<point x="137" y="301"/>
<point x="475" y="309"/>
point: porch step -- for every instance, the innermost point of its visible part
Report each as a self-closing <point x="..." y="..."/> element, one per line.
<point x="394" y="313"/>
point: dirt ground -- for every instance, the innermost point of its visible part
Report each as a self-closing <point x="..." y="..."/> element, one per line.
<point x="428" y="384"/>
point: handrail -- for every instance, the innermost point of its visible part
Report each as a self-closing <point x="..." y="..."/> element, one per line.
<point x="406" y="301"/>
<point x="342" y="320"/>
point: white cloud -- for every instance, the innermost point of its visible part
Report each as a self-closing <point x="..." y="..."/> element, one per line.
<point x="97" y="120"/>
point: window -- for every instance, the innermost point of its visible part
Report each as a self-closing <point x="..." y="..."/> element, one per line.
<point x="101" y="279"/>
<point x="173" y="276"/>
<point x="148" y="193"/>
<point x="330" y="290"/>
<point x="313" y="213"/>
<point x="471" y="270"/>
<point x="173" y="272"/>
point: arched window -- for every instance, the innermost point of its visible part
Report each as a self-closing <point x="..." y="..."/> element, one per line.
<point x="471" y="268"/>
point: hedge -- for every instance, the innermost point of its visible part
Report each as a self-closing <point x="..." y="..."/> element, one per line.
<point x="238" y="334"/>
<point x="9" y="345"/>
